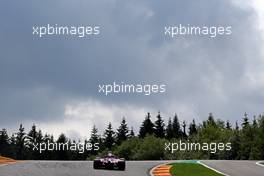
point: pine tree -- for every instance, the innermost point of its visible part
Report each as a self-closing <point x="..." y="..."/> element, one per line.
<point x="169" y="130"/>
<point x="62" y="153"/>
<point x="176" y="127"/>
<point x="247" y="137"/>
<point x="235" y="144"/>
<point x="39" y="137"/>
<point x="131" y="134"/>
<point x="245" y="121"/>
<point x="20" y="142"/>
<point x="122" y="132"/>
<point x="109" y="139"/>
<point x="237" y="127"/>
<point x="32" y="139"/>
<point x="159" y="129"/>
<point x="12" y="147"/>
<point x="192" y="128"/>
<point x="255" y="123"/>
<point x="211" y="120"/>
<point x="228" y="125"/>
<point x="184" y="135"/>
<point x="94" y="139"/>
<point x="261" y="134"/>
<point x="94" y="135"/>
<point x="4" y="144"/>
<point x="39" y="140"/>
<point x="255" y="153"/>
<point x="32" y="135"/>
<point x="101" y="143"/>
<point x="48" y="154"/>
<point x="147" y="127"/>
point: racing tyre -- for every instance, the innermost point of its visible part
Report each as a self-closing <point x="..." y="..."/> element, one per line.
<point x="96" y="164"/>
<point x="122" y="166"/>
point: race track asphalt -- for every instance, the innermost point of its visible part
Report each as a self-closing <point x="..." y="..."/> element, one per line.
<point x="236" y="168"/>
<point x="134" y="168"/>
<point x="73" y="168"/>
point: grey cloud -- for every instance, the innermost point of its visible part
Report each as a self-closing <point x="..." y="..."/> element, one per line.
<point x="39" y="76"/>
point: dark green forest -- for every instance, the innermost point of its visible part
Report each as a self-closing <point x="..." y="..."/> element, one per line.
<point x="247" y="140"/>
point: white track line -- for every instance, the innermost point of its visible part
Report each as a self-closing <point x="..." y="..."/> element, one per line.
<point x="259" y="163"/>
<point x="211" y="168"/>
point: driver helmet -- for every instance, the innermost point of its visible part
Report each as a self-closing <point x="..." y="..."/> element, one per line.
<point x="109" y="154"/>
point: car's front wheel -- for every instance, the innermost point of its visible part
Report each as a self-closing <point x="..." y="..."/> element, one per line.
<point x="122" y="166"/>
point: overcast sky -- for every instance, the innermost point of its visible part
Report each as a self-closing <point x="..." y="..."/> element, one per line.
<point x="53" y="81"/>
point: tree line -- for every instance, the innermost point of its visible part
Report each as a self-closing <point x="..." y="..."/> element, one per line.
<point x="247" y="140"/>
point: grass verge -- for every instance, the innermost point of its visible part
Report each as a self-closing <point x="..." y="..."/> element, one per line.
<point x="193" y="169"/>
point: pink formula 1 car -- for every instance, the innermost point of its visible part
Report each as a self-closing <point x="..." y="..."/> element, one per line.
<point x="109" y="162"/>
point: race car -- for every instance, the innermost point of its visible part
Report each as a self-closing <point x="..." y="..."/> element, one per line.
<point x="109" y="161"/>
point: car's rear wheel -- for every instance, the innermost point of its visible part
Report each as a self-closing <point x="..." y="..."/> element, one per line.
<point x="96" y="164"/>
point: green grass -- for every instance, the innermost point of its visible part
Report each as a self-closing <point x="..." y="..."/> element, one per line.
<point x="191" y="169"/>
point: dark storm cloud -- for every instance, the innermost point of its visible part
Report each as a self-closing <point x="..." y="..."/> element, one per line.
<point x="39" y="76"/>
